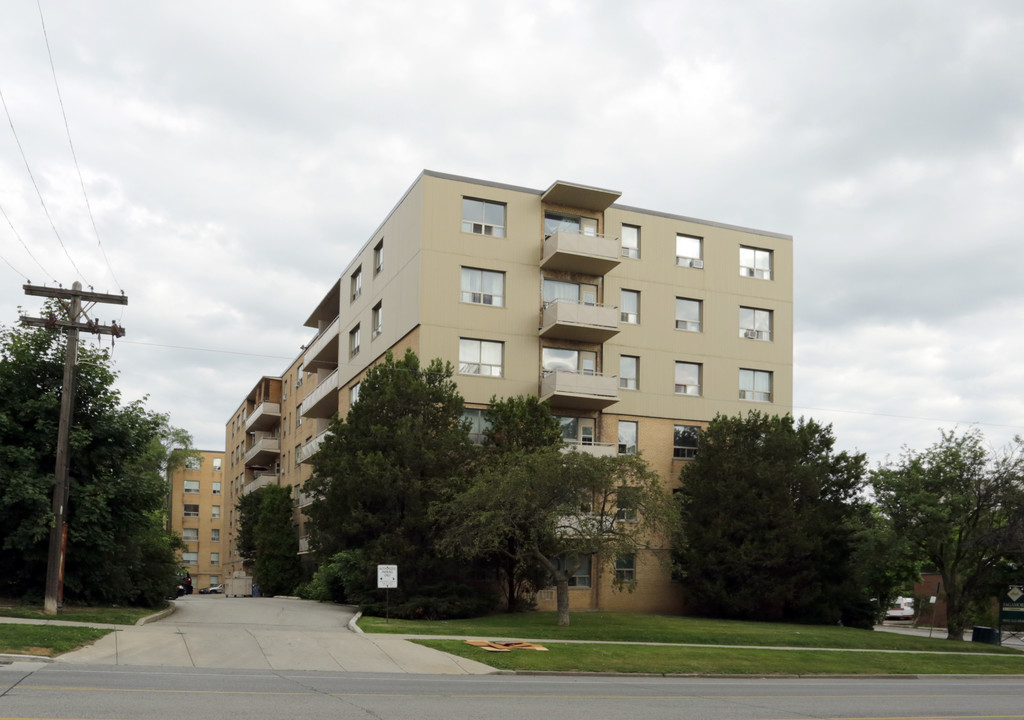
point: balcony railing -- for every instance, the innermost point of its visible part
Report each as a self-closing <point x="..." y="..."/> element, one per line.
<point x="264" y="451"/>
<point x="579" y="390"/>
<point x="308" y="450"/>
<point x="264" y="417"/>
<point x="323" y="352"/>
<point x="592" y="448"/>
<point x="323" y="401"/>
<point x="572" y="320"/>
<point x="260" y="481"/>
<point x="590" y="254"/>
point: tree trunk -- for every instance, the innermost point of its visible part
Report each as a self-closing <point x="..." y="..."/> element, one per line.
<point x="562" y="600"/>
<point x="957" y="607"/>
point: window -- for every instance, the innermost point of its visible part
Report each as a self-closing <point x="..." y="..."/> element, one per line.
<point x="377" y="320"/>
<point x="630" y="241"/>
<point x="217" y="462"/>
<point x="357" y="282"/>
<point x="353" y="342"/>
<point x="298" y="449"/>
<point x="688" y="314"/>
<point x="191" y="511"/>
<point x="629" y="372"/>
<point x="190" y="558"/>
<point x="215" y="535"/>
<point x="214" y="580"/>
<point x="630" y="307"/>
<point x="627" y="437"/>
<point x="190" y="534"/>
<point x="191" y="486"/>
<point x="559" y="290"/>
<point x="378" y="257"/>
<point x="558" y="222"/>
<point x="684" y="442"/>
<point x="755" y="385"/>
<point x="215" y="558"/>
<point x="574" y="361"/>
<point x="480" y="357"/>
<point x="689" y="251"/>
<point x="755" y="324"/>
<point x="482" y="217"/>
<point x="626" y="502"/>
<point x="215" y="511"/>
<point x="756" y="263"/>
<point x="478" y="424"/>
<point x="576" y="430"/>
<point x="687" y="378"/>
<point x="483" y="287"/>
<point x="581" y="577"/>
<point x="216" y="487"/>
<point x="625" y="568"/>
<point x="193" y="463"/>
<point x="353" y="394"/>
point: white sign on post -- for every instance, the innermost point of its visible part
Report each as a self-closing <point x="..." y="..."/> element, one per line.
<point x="387" y="576"/>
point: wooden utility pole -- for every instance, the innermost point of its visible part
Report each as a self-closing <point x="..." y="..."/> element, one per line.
<point x="75" y="318"/>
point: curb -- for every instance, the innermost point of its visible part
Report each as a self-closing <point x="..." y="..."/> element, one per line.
<point x="353" y="623"/>
<point x="157" y="616"/>
<point x="8" y="658"/>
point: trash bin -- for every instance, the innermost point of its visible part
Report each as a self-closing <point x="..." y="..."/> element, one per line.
<point x="256" y="590"/>
<point x="985" y="635"/>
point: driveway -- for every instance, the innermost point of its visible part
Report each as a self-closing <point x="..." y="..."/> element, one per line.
<point x="213" y="631"/>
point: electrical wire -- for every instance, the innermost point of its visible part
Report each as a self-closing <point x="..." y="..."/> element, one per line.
<point x="201" y="349"/>
<point x="74" y="156"/>
<point x="16" y="270"/>
<point x="18" y="235"/>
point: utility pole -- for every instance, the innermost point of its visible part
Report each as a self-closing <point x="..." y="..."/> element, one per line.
<point x="70" y="302"/>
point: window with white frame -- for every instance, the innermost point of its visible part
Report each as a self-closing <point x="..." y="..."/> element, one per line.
<point x="217" y="463"/>
<point x="482" y="287"/>
<point x="193" y="463"/>
<point x="377" y="320"/>
<point x="353" y="342"/>
<point x="378" y="257"/>
<point x="755" y="323"/>
<point x="560" y="222"/>
<point x="755" y="385"/>
<point x="480" y="357"/>
<point x="689" y="251"/>
<point x="483" y="217"/>
<point x="478" y="424"/>
<point x="190" y="558"/>
<point x="756" y="263"/>
<point x="562" y="291"/>
<point x="576" y="430"/>
<point x="190" y="534"/>
<point x="684" y="441"/>
<point x="215" y="511"/>
<point x="630" y="307"/>
<point x="688" y="314"/>
<point x="625" y="568"/>
<point x="215" y="535"/>
<point x="190" y="510"/>
<point x="356" y="283"/>
<point x="216" y="487"/>
<point x="215" y="558"/>
<point x="629" y="372"/>
<point x="353" y="394"/>
<point x="214" y="580"/>
<point x="630" y="241"/>
<point x="555" y="359"/>
<point x="192" y="487"/>
<point x="688" y="378"/>
<point x="628" y="432"/>
<point x="581" y="575"/>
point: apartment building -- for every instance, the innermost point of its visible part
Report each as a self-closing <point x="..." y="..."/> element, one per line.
<point x="636" y="326"/>
<point x="196" y="513"/>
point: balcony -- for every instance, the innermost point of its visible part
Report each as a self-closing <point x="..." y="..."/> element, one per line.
<point x="307" y="451"/>
<point x="323" y="352"/>
<point x="592" y="448"/>
<point x="264" y="452"/>
<point x="266" y="416"/>
<point x="573" y="252"/>
<point x="261" y="480"/>
<point x="570" y="320"/>
<point x="577" y="390"/>
<point x="322" y="402"/>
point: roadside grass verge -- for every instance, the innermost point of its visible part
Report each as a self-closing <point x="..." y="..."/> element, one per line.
<point x="730" y="661"/>
<point x="46" y="640"/>
<point x="632" y="627"/>
<point x="112" y="615"/>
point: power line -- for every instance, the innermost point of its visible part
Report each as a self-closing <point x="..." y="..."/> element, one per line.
<point x="39" y="193"/>
<point x="74" y="156"/>
<point x="15" y="269"/>
<point x="209" y="350"/>
<point x="17" y="235"/>
<point x="911" y="417"/>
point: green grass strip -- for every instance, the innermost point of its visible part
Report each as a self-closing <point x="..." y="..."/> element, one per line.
<point x="46" y="640"/>
<point x="111" y="615"/>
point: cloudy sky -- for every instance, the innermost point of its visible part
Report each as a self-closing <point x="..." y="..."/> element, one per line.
<point x="236" y="154"/>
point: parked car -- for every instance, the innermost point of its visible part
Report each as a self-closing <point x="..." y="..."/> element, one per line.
<point x="215" y="589"/>
<point x="901" y="609"/>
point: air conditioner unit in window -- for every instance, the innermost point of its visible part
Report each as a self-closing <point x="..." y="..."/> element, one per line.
<point x="752" y="334"/>
<point x="747" y="271"/>
<point x="699" y="264"/>
<point x="684" y="261"/>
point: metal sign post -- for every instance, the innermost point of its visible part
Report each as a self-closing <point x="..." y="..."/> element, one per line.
<point x="387" y="578"/>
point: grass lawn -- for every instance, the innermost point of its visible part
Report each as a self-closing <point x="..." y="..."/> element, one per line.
<point x="112" y="615"/>
<point x="47" y="640"/>
<point x="630" y="627"/>
<point x="730" y="661"/>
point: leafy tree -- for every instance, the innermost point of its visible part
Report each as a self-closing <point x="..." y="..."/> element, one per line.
<point x="961" y="508"/>
<point x="521" y="423"/>
<point x="769" y="516"/>
<point x="248" y="507"/>
<point x="118" y="549"/>
<point x="277" y="568"/>
<point x="551" y="509"/>
<point x="377" y="472"/>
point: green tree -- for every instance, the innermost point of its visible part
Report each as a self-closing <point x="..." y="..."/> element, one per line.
<point x="277" y="568"/>
<point x="248" y="507"/>
<point x="552" y="510"/>
<point x="960" y="507"/>
<point x="118" y="549"/>
<point x="769" y="517"/>
<point x="380" y="468"/>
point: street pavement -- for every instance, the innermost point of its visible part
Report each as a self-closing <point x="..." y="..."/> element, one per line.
<point x="214" y="631"/>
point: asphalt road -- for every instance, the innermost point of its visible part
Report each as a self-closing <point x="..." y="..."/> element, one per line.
<point x="79" y="691"/>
